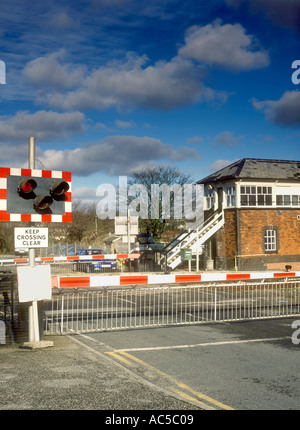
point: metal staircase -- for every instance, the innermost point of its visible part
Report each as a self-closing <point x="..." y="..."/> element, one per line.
<point x="193" y="239"/>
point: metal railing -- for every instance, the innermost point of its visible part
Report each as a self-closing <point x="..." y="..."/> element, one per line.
<point x="8" y="308"/>
<point x="136" y="307"/>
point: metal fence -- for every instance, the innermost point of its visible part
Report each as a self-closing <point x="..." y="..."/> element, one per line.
<point x="137" y="307"/>
<point x="8" y="308"/>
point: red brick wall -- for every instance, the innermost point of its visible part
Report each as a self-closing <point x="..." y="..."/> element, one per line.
<point x="243" y="234"/>
<point x="253" y="222"/>
<point x="230" y="233"/>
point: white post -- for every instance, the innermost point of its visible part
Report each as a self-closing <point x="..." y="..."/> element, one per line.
<point x="215" y="310"/>
<point x="34" y="335"/>
<point x="128" y="231"/>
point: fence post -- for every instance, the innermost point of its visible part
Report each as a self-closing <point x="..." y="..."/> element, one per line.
<point x="12" y="310"/>
<point x="215" y="304"/>
<point x="62" y="314"/>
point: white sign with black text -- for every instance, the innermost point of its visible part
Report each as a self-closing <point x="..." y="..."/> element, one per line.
<point x="31" y="237"/>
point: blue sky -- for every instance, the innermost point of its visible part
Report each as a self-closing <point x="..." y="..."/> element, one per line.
<point x="109" y="86"/>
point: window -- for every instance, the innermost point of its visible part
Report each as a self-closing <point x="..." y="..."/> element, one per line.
<point x="264" y="196"/>
<point x="230" y="195"/>
<point x="256" y="196"/>
<point x="287" y="200"/>
<point x="288" y="195"/>
<point x="270" y="240"/>
<point x="209" y="195"/>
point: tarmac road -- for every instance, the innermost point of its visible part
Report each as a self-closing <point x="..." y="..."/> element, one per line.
<point x="243" y="366"/>
<point x="69" y="376"/>
<point x="248" y="365"/>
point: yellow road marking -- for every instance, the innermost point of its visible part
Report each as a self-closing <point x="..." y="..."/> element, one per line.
<point x="115" y="355"/>
<point x="187" y="397"/>
<point x="185" y="387"/>
<point x="204" y="397"/>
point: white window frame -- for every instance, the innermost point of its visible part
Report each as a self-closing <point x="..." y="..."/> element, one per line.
<point x="288" y="195"/>
<point x="270" y="240"/>
<point x="255" y="195"/>
<point x="230" y="196"/>
<point x="209" y="198"/>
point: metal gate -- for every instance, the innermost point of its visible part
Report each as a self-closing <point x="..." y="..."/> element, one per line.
<point x="136" y="307"/>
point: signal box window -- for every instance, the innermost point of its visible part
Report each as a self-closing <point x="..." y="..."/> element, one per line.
<point x="256" y="196"/>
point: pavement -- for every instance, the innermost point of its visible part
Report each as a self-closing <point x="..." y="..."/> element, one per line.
<point x="70" y="376"/>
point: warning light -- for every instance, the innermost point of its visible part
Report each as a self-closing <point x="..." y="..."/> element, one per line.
<point x="59" y="188"/>
<point x="26" y="186"/>
<point x="31" y="195"/>
<point x="42" y="202"/>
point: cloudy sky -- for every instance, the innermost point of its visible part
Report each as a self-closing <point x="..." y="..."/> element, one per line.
<point x="109" y="86"/>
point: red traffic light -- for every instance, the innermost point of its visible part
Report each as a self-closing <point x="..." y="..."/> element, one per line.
<point x="26" y="186"/>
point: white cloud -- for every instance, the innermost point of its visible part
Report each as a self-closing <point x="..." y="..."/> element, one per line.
<point x="61" y="21"/>
<point x="114" y="155"/>
<point x="84" y="193"/>
<point x="124" y="124"/>
<point x="43" y="125"/>
<point x="227" y="138"/>
<point x="125" y="84"/>
<point x="194" y="140"/>
<point x="284" y="112"/>
<point x="226" y="46"/>
<point x="220" y="164"/>
<point x="49" y="71"/>
<point x="131" y="83"/>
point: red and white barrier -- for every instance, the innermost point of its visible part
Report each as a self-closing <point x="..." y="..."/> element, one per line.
<point x="72" y="258"/>
<point x="144" y="279"/>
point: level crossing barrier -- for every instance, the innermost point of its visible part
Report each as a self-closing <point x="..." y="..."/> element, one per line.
<point x="66" y="265"/>
<point x="96" y="281"/>
<point x="19" y="260"/>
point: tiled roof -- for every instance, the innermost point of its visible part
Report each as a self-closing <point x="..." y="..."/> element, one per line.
<point x="252" y="168"/>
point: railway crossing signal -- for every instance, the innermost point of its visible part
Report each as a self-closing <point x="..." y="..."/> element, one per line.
<point x="35" y="195"/>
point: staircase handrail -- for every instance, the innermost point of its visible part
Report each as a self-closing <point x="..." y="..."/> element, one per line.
<point x="201" y="226"/>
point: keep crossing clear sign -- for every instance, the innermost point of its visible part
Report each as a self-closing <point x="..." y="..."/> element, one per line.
<point x="31" y="237"/>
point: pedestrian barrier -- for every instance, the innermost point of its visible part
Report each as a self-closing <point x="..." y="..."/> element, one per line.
<point x="8" y="308"/>
<point x="137" y="306"/>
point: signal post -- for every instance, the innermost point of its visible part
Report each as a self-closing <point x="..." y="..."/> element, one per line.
<point x="27" y="186"/>
<point x="34" y="196"/>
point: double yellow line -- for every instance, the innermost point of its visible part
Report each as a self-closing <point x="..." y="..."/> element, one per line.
<point x="176" y="386"/>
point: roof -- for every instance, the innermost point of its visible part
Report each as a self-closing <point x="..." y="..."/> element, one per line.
<point x="253" y="168"/>
<point x="112" y="239"/>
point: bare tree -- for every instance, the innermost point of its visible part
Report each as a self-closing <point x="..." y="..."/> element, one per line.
<point x="160" y="175"/>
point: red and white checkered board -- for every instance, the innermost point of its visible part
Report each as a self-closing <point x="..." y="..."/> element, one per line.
<point x="11" y="171"/>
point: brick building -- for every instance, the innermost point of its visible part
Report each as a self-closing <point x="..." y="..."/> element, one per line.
<point x="260" y="201"/>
